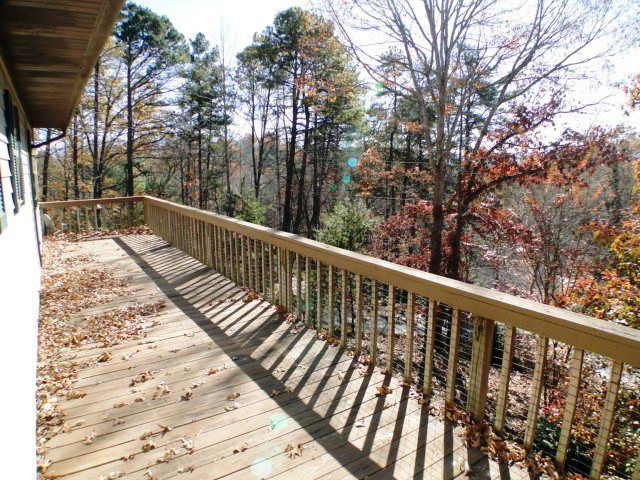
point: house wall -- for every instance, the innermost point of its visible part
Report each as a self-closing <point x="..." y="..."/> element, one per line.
<point x="19" y="300"/>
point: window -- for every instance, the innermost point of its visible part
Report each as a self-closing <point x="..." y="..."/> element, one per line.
<point x="13" y="142"/>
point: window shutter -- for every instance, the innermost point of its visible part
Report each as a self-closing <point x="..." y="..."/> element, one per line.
<point x="17" y="134"/>
<point x="13" y="168"/>
<point x="3" y="214"/>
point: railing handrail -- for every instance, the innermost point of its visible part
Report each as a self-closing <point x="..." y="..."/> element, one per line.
<point x="90" y="201"/>
<point x="618" y="342"/>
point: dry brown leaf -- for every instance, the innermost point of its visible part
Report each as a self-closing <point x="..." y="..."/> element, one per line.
<point x="148" y="446"/>
<point x="383" y="390"/>
<point x="167" y="455"/>
<point x="105" y="357"/>
<point x="73" y="394"/>
<point x="120" y="404"/>
<point x="165" y="428"/>
<point x="187" y="444"/>
<point x="88" y="440"/>
<point x="186" y="469"/>
<point x="232" y="396"/>
<point x="128" y="457"/>
<point x="149" y="475"/>
<point x="294" y="451"/>
<point x="241" y="448"/>
<point x="145" y="435"/>
<point x="141" y="378"/>
<point x="118" y="421"/>
<point x="186" y="395"/>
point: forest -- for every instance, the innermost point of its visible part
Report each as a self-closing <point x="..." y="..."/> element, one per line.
<point x="442" y="145"/>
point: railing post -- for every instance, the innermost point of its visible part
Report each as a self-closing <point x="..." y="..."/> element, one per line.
<point x="319" y="295"/>
<point x="391" y="327"/>
<point x="358" y="349"/>
<point x="307" y="293"/>
<point x="429" y="347"/>
<point x="536" y="392"/>
<point x="331" y="299"/>
<point x="606" y="421"/>
<point x="343" y="308"/>
<point x="452" y="364"/>
<point x="373" y="358"/>
<point x="570" y="407"/>
<point x="298" y="287"/>
<point x="408" y="348"/>
<point x="505" y="376"/>
<point x="479" y="373"/>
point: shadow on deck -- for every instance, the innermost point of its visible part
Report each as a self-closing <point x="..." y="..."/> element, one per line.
<point x="296" y="394"/>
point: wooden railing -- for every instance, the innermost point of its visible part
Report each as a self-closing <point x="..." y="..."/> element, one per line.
<point x="78" y="216"/>
<point x="502" y="359"/>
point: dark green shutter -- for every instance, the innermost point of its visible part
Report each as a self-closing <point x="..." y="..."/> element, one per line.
<point x="13" y="167"/>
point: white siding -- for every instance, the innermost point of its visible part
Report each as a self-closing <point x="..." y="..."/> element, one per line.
<point x="19" y="299"/>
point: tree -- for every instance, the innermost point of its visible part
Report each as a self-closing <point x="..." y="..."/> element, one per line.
<point x="151" y="48"/>
<point x="473" y="57"/>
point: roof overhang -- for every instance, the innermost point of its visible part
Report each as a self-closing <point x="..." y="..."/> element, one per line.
<point x="49" y="48"/>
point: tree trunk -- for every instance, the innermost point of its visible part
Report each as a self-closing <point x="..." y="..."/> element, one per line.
<point x="129" y="164"/>
<point x="303" y="171"/>
<point x="74" y="157"/>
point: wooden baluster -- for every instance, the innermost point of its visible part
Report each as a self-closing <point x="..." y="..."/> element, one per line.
<point x="344" y="308"/>
<point x="391" y="327"/>
<point x="479" y="372"/>
<point x="298" y="287"/>
<point x="246" y="272"/>
<point x="606" y="421"/>
<point x="331" y="299"/>
<point x="289" y="283"/>
<point x="227" y="253"/>
<point x="430" y="339"/>
<point x="95" y="215"/>
<point x="271" y="286"/>
<point x="358" y="347"/>
<point x="253" y="243"/>
<point x="536" y="392"/>
<point x="86" y="218"/>
<point x="214" y="246"/>
<point x="373" y="357"/>
<point x="307" y="292"/>
<point x="408" y="349"/>
<point x="505" y="376"/>
<point x="263" y="260"/>
<point x="452" y="364"/>
<point x="570" y="407"/>
<point x="249" y="262"/>
<point x="281" y="300"/>
<point x="319" y="295"/>
<point x="237" y="238"/>
<point x="77" y="219"/>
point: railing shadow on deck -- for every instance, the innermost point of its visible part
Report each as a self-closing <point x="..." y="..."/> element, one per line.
<point x="346" y="454"/>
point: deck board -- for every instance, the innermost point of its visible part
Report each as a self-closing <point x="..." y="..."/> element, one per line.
<point x="331" y="408"/>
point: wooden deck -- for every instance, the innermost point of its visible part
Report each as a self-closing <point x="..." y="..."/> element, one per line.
<point x="294" y="389"/>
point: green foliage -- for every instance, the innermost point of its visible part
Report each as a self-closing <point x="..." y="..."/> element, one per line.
<point x="252" y="210"/>
<point x="348" y="226"/>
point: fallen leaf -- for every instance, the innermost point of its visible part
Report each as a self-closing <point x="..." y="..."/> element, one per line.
<point x="105" y="357"/>
<point x="128" y="457"/>
<point x="148" y="446"/>
<point x="145" y="435"/>
<point x="149" y="475"/>
<point x="141" y="378"/>
<point x="186" y="395"/>
<point x="383" y="390"/>
<point x="165" y="428"/>
<point x="167" y="455"/>
<point x="187" y="469"/>
<point x="232" y="396"/>
<point x="359" y="424"/>
<point x="118" y="421"/>
<point x="241" y="448"/>
<point x="73" y="394"/>
<point x="294" y="451"/>
<point x="88" y="440"/>
<point x="187" y="444"/>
